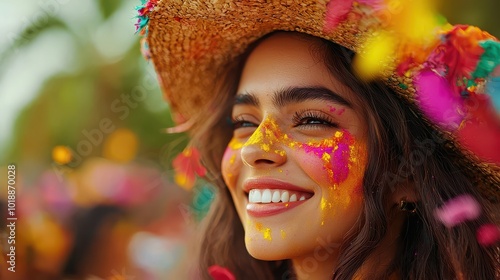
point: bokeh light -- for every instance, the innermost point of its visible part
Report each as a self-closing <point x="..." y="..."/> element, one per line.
<point x="61" y="154"/>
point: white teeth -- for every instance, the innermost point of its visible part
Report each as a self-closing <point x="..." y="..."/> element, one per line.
<point x="285" y="196"/>
<point x="275" y="196"/>
<point x="266" y="196"/>
<point x="255" y="196"/>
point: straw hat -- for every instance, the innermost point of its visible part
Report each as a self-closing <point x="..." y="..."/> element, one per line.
<point x="448" y="71"/>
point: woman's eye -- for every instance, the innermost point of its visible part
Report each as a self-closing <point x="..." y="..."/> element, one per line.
<point x="243" y="122"/>
<point x="313" y="118"/>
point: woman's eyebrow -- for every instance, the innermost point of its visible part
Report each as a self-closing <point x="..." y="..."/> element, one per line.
<point x="246" y="98"/>
<point x="290" y="95"/>
<point x="299" y="94"/>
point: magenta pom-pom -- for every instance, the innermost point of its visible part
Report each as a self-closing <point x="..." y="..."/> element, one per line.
<point x="437" y="99"/>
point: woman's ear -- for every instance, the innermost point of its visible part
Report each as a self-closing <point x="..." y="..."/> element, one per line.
<point x="403" y="194"/>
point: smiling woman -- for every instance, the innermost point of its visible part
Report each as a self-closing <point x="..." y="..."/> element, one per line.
<point x="321" y="174"/>
<point x="296" y="158"/>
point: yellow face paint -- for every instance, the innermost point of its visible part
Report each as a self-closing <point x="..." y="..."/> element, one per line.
<point x="341" y="158"/>
<point x="266" y="232"/>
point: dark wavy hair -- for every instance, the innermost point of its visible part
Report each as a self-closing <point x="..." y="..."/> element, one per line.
<point x="404" y="151"/>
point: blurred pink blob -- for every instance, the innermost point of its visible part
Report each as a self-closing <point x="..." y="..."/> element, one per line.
<point x="220" y="273"/>
<point x="458" y="210"/>
<point x="488" y="234"/>
<point x="56" y="192"/>
<point x="123" y="184"/>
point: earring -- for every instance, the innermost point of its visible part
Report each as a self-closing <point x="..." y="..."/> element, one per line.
<point x="406" y="206"/>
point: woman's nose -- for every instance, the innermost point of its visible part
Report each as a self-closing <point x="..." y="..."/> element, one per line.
<point x="255" y="156"/>
<point x="264" y="149"/>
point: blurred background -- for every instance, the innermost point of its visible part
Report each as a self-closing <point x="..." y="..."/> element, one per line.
<point x="83" y="121"/>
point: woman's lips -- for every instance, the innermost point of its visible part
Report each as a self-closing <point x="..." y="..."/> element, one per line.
<point x="268" y="197"/>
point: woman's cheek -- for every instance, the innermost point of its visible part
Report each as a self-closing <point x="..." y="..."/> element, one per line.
<point x="332" y="160"/>
<point x="338" y="169"/>
<point x="231" y="163"/>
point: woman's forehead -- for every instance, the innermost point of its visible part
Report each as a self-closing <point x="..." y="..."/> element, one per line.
<point x="288" y="60"/>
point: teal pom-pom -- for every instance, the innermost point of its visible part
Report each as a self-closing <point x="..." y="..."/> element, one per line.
<point x="493" y="89"/>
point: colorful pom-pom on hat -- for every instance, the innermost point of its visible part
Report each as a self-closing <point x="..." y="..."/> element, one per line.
<point x="450" y="72"/>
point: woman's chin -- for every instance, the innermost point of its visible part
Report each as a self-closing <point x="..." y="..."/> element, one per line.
<point x="266" y="253"/>
<point x="270" y="250"/>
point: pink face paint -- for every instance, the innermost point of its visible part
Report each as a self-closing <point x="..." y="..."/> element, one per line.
<point x="335" y="153"/>
<point x="340" y="162"/>
<point x="343" y="159"/>
<point x="333" y="109"/>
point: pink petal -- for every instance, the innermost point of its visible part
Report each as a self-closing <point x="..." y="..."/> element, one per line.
<point x="458" y="210"/>
<point x="220" y="273"/>
<point x="336" y="11"/>
<point x="437" y="99"/>
<point x="488" y="234"/>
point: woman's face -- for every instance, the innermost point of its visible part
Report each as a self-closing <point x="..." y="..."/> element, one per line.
<point x="296" y="161"/>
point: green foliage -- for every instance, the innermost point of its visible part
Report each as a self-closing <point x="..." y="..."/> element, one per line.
<point x="483" y="14"/>
<point x="108" y="7"/>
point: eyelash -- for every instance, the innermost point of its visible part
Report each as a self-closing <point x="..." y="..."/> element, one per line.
<point x="299" y="119"/>
<point x="241" y="122"/>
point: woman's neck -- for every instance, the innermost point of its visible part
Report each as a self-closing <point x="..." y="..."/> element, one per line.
<point x="318" y="265"/>
<point x="322" y="262"/>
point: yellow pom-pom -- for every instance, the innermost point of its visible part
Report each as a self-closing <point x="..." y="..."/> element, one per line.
<point x="377" y="56"/>
<point x="418" y="21"/>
